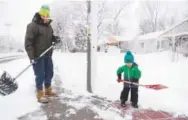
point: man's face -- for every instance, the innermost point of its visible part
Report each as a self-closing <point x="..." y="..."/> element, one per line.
<point x="129" y="64"/>
<point x="45" y="19"/>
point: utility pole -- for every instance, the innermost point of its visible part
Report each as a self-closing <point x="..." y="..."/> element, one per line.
<point x="91" y="44"/>
<point x="89" y="87"/>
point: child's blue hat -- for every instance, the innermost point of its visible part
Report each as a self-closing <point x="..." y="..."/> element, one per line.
<point x="129" y="57"/>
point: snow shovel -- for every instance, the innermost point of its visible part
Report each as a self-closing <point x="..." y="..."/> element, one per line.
<point x="152" y="86"/>
<point x="8" y="84"/>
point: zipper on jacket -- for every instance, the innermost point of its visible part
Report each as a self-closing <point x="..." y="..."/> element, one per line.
<point x="129" y="76"/>
<point x="47" y="36"/>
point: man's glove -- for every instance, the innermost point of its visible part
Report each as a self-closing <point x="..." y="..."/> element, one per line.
<point x="56" y="39"/>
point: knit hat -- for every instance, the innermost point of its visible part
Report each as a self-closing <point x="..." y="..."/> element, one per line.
<point x="129" y="57"/>
<point x="45" y="11"/>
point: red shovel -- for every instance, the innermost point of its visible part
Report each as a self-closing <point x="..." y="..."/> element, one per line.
<point x="152" y="86"/>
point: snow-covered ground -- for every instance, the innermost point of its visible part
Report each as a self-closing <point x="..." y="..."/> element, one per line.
<point x="156" y="68"/>
<point x="23" y="100"/>
<point x="2" y="55"/>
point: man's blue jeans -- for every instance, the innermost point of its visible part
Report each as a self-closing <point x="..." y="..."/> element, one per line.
<point x="43" y="70"/>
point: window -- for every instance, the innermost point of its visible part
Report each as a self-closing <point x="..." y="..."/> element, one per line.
<point x="142" y="45"/>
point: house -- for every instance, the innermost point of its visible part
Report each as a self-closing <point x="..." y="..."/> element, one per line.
<point x="169" y="39"/>
<point x="120" y="42"/>
<point x="175" y="38"/>
<point x="146" y="43"/>
<point x="140" y="44"/>
<point x="176" y="42"/>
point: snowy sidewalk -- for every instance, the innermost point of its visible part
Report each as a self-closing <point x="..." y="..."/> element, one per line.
<point x="71" y="106"/>
<point x="59" y="108"/>
<point x="75" y="103"/>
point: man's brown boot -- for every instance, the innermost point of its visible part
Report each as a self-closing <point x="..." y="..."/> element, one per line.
<point x="41" y="97"/>
<point x="50" y="93"/>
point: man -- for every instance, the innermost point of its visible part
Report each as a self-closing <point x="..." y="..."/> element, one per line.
<point x="39" y="37"/>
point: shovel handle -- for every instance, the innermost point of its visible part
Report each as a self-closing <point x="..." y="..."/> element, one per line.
<point x="33" y="62"/>
<point x="133" y="83"/>
<point x="154" y="86"/>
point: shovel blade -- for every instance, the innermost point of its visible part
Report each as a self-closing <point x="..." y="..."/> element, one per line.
<point x="7" y="84"/>
<point x="156" y="86"/>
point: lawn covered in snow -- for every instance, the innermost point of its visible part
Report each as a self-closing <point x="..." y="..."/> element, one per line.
<point x="156" y="68"/>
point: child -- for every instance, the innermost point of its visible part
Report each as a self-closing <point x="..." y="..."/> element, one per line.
<point x="132" y="74"/>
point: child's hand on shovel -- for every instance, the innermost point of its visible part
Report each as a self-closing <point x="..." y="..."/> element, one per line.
<point x="119" y="80"/>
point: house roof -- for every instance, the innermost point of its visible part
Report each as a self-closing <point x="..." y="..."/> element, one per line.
<point x="112" y="39"/>
<point x="101" y="41"/>
<point x="175" y="26"/>
<point x="122" y="38"/>
<point x="178" y="34"/>
<point x="152" y="35"/>
<point x="163" y="33"/>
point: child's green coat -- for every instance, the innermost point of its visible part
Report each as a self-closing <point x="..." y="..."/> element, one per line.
<point x="129" y="73"/>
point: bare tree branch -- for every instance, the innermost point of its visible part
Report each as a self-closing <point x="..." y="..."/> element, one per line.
<point x="115" y="27"/>
<point x="120" y="10"/>
<point x="101" y="14"/>
<point x="152" y="16"/>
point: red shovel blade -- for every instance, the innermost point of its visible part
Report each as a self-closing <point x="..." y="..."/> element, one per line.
<point x="156" y="86"/>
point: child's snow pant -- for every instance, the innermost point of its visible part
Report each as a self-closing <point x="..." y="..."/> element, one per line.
<point x="125" y="93"/>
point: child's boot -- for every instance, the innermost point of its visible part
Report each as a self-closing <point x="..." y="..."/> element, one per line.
<point x="123" y="103"/>
<point x="135" y="105"/>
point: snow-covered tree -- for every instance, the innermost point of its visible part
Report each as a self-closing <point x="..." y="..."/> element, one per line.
<point x="9" y="43"/>
<point x="81" y="37"/>
<point x="151" y="14"/>
<point x="66" y="19"/>
<point x="159" y="15"/>
<point x="68" y="16"/>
